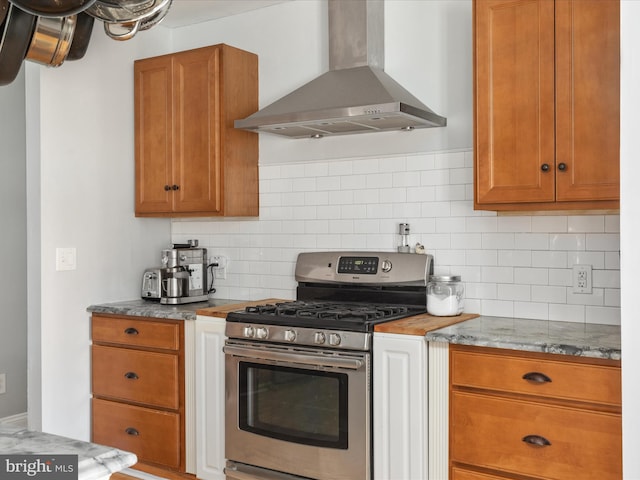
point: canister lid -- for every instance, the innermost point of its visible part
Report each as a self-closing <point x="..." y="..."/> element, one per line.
<point x="445" y="278"/>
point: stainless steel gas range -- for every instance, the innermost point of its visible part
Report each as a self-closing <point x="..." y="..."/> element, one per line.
<point x="299" y="374"/>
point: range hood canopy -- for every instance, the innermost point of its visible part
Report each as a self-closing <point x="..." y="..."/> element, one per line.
<point x="355" y="95"/>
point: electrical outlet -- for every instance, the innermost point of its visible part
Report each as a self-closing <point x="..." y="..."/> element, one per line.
<point x="3" y="383"/>
<point x="582" y="279"/>
<point x="219" y="263"/>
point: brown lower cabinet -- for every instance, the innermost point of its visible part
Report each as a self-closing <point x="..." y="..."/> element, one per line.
<point x="533" y="416"/>
<point x="138" y="403"/>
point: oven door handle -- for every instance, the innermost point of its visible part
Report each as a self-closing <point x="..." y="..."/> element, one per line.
<point x="294" y="358"/>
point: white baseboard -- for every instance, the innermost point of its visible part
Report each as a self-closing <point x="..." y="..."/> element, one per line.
<point x="19" y="420"/>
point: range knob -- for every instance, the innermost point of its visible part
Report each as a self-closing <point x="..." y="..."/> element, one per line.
<point x="318" y="338"/>
<point x="334" y="339"/>
<point x="248" y="332"/>
<point x="386" y="266"/>
<point x="290" y="335"/>
<point x="262" y="333"/>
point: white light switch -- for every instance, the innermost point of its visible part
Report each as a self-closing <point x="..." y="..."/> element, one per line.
<point x="65" y="259"/>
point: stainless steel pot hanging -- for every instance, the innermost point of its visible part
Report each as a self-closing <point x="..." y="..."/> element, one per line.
<point x="51" y="40"/>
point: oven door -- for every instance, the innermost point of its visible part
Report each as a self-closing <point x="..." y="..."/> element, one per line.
<point x="302" y="411"/>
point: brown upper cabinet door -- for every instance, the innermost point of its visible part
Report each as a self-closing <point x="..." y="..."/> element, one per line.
<point x="588" y="100"/>
<point x="546" y="104"/>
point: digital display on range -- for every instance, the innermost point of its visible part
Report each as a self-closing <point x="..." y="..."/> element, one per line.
<point x="358" y="265"/>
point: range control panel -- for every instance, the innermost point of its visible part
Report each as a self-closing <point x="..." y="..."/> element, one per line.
<point x="358" y="265"/>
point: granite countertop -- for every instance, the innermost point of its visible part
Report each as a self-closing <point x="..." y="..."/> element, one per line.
<point x="154" y="309"/>
<point x="565" y="338"/>
<point x="94" y="461"/>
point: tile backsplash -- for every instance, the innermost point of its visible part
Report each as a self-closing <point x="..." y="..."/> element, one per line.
<point x="512" y="265"/>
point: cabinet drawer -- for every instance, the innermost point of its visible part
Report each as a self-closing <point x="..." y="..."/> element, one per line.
<point x="464" y="474"/>
<point x="489" y="431"/>
<point x="564" y="379"/>
<point x="135" y="375"/>
<point x="135" y="332"/>
<point x="154" y="436"/>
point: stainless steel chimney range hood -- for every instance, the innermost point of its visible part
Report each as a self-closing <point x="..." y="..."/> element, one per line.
<point x="355" y="95"/>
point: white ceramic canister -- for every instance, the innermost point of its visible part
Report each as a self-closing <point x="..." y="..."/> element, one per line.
<point x="445" y="295"/>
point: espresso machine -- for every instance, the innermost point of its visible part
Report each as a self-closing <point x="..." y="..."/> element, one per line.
<point x="182" y="278"/>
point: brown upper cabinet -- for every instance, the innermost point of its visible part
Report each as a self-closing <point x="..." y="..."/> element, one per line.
<point x="546" y="104"/>
<point x="190" y="161"/>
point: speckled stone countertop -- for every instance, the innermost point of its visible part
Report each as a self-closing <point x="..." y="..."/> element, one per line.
<point x="94" y="461"/>
<point x="147" y="308"/>
<point x="565" y="338"/>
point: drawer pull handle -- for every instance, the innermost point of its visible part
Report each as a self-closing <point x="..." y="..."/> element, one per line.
<point x="536" y="441"/>
<point x="536" y="377"/>
<point x="131" y="431"/>
<point x="131" y="375"/>
<point x="131" y="331"/>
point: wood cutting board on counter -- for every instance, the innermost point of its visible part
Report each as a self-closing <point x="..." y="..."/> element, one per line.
<point x="421" y="324"/>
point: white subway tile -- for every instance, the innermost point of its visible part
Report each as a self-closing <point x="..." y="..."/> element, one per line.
<point x="606" y="278"/>
<point x="468" y="194"/>
<point x="369" y="226"/>
<point x="270" y="199"/>
<point x="604" y="241"/>
<point x="328" y="241"/>
<point x="380" y="242"/>
<point x="487" y="258"/>
<point x="305" y="185"/>
<point x="450" y="257"/>
<point x="406" y="210"/>
<point x="594" y="298"/>
<point x="531" y="276"/>
<point x="316" y="169"/>
<point x="421" y="194"/>
<point x="434" y="177"/>
<point x="472" y="305"/>
<point x="378" y="180"/>
<point x="393" y="164"/>
<point x="450" y="225"/>
<point x="550" y="224"/>
<point x="269" y="171"/>
<point x="603" y="315"/>
<point x="366" y="196"/>
<point x="393" y="195"/>
<point x="548" y="294"/>
<point x="316" y="226"/>
<point x="549" y="258"/>
<point x="498" y="274"/>
<point x="612" y="260"/>
<point x="381" y="211"/>
<point x="277" y="185"/>
<point x="514" y="258"/>
<point x="303" y="213"/>
<point x="468" y="158"/>
<point x="612" y="224"/>
<point x="421" y="162"/>
<point x="482" y="224"/>
<point x="436" y="209"/>
<point x="466" y="241"/>
<point x="497" y="308"/>
<point x="405" y="179"/>
<point x="292" y="226"/>
<point x="463" y="208"/>
<point x="328" y="211"/>
<point x="508" y="291"/>
<point x="461" y="176"/>
<point x="585" y="223"/>
<point x="531" y="241"/>
<point x="595" y="259"/>
<point x="514" y="224"/>
<point x="340" y="168"/>
<point x="449" y="160"/>
<point x="567" y="241"/>
<point x="353" y="211"/>
<point x="342" y="197"/>
<point x="567" y="313"/>
<point x="450" y="192"/>
<point x="352" y="182"/>
<point x="316" y="198"/>
<point x="341" y="226"/>
<point x="437" y="241"/>
<point x="328" y="183"/>
<point x="612" y="297"/>
<point x="501" y="241"/>
<point x="560" y="276"/>
<point x="271" y="226"/>
<point x="531" y="310"/>
<point x="418" y="225"/>
<point x="468" y="273"/>
<point x="366" y="166"/>
<point x="482" y="291"/>
<point x="292" y="170"/>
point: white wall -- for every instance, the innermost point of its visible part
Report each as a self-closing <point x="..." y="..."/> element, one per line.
<point x="630" y="212"/>
<point x="13" y="243"/>
<point x="81" y="192"/>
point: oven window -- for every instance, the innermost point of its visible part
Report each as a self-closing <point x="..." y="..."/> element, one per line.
<point x="293" y="404"/>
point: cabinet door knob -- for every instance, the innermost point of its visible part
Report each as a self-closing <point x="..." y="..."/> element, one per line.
<point x="167" y="188"/>
<point x="131" y="431"/>
<point x="536" y="377"/>
<point x="131" y="331"/>
<point x="175" y="187"/>
<point x="545" y="167"/>
<point x="562" y="167"/>
<point x="536" y="440"/>
<point x="131" y="375"/>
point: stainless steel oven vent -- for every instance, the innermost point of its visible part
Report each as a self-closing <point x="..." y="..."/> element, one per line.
<point x="355" y="95"/>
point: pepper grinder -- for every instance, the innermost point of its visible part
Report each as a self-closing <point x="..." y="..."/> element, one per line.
<point x="403" y="231"/>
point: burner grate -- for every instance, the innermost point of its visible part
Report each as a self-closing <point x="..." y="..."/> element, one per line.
<point x="334" y="311"/>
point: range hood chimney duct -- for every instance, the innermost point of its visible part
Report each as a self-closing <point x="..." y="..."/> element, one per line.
<point x="355" y="95"/>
